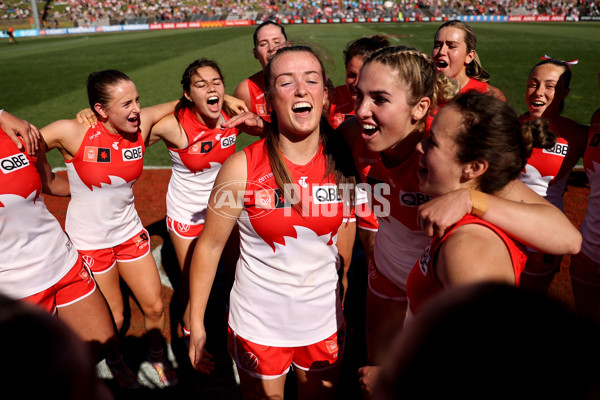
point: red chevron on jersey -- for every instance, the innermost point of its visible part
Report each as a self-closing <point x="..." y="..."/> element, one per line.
<point x="103" y="154"/>
<point x="322" y="209"/>
<point x="207" y="146"/>
<point x="17" y="177"/>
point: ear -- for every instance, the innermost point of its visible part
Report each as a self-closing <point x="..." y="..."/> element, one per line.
<point x="469" y="57"/>
<point x="100" y="110"/>
<point x="474" y="169"/>
<point x="255" y="53"/>
<point x="419" y="110"/>
<point x="187" y="96"/>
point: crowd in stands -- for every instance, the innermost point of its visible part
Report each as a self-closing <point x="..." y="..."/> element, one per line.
<point x="135" y="11"/>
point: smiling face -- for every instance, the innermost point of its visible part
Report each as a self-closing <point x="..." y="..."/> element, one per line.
<point x="297" y="92"/>
<point x="207" y="92"/>
<point x="545" y="91"/>
<point x="352" y="72"/>
<point x="268" y="39"/>
<point x="383" y="109"/>
<point x="450" y="53"/>
<point x="440" y="171"/>
<point x="122" y="112"/>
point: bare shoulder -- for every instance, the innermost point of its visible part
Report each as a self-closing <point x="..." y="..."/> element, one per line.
<point x="497" y="93"/>
<point x="64" y="134"/>
<point x="234" y="168"/>
<point x="473" y="253"/>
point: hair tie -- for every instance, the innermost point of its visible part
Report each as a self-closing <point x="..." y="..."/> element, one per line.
<point x="569" y="63"/>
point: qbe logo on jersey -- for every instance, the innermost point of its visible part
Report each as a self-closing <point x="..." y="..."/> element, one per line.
<point x="325" y="194"/>
<point x="227" y="141"/>
<point x="133" y="154"/>
<point x="13" y="163"/>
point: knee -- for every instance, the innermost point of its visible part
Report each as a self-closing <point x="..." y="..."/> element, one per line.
<point x="155" y="310"/>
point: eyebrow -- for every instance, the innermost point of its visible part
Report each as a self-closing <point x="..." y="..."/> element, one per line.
<point x="292" y="73"/>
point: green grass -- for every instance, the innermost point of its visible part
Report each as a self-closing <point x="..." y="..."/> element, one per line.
<point x="43" y="79"/>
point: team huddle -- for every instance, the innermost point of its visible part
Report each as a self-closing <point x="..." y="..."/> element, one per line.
<point x="443" y="182"/>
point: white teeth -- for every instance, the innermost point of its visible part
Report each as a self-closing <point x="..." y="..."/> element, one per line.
<point x="368" y="127"/>
<point x="537" y="104"/>
<point x="301" y="105"/>
<point x="213" y="98"/>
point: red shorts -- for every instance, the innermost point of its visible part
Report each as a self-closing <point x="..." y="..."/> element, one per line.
<point x="269" y="362"/>
<point x="76" y="285"/>
<point x="184" y="231"/>
<point x="102" y="260"/>
<point x="382" y="286"/>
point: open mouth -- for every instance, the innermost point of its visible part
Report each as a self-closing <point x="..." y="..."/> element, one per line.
<point x="369" y="130"/>
<point x="213" y="103"/>
<point x="302" y="108"/>
<point x="441" y="64"/>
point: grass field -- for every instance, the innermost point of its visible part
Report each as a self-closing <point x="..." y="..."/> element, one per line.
<point x="43" y="79"/>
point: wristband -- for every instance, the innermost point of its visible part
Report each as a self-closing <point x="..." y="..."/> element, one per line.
<point x="479" y="203"/>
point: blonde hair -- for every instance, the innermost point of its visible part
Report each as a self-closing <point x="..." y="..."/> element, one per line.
<point x="416" y="71"/>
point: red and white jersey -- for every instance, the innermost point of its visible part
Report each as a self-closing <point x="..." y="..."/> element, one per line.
<point x="36" y="253"/>
<point x="195" y="168"/>
<point x="101" y="213"/>
<point x="541" y="170"/>
<point x="395" y="197"/>
<point x="258" y="105"/>
<point x="286" y="291"/>
<point x="423" y="283"/>
<point x="590" y="229"/>
<point x="342" y="106"/>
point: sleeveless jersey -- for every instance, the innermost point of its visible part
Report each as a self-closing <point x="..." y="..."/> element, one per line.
<point x="35" y="251"/>
<point x="541" y="169"/>
<point x="196" y="167"/>
<point x="101" y="213"/>
<point x="395" y="197"/>
<point x="590" y="229"/>
<point x="286" y="291"/>
<point x="423" y="283"/>
<point x="474" y="84"/>
<point x="342" y="106"/>
<point x="258" y="105"/>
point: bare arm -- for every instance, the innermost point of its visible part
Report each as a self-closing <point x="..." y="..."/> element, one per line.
<point x="517" y="210"/>
<point x="234" y="106"/>
<point x="249" y="123"/>
<point x="151" y="115"/>
<point x="243" y="93"/>
<point x="52" y="183"/>
<point x="16" y="127"/>
<point x="221" y="216"/>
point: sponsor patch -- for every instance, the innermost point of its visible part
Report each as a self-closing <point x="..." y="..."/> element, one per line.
<point x="96" y="154"/>
<point x="132" y="154"/>
<point x="325" y="194"/>
<point x="13" y="163"/>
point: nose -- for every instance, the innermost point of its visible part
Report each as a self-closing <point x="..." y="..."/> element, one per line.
<point x="361" y="108"/>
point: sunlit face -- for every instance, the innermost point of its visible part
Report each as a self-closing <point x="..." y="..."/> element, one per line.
<point x="298" y="92"/>
<point x="450" y="53"/>
<point x="440" y="171"/>
<point x="123" y="110"/>
<point x="352" y="72"/>
<point x="382" y="108"/>
<point x="268" y="39"/>
<point x="207" y="92"/>
<point x="545" y="90"/>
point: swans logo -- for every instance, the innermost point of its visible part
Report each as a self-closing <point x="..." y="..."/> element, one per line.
<point x="250" y="361"/>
